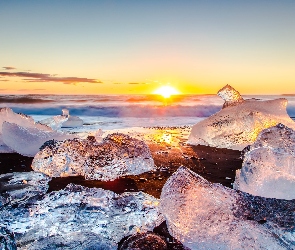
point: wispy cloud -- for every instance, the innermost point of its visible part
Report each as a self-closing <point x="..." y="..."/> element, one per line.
<point x="9" y="68"/>
<point x="40" y="77"/>
<point x="134" y="83"/>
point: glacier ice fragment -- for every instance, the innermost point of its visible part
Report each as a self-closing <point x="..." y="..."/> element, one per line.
<point x="63" y="121"/>
<point x="28" y="140"/>
<point x="203" y="215"/>
<point x="239" y="122"/>
<point x="230" y="96"/>
<point x="7" y="115"/>
<point x="268" y="167"/>
<point x="78" y="209"/>
<point x="22" y="187"/>
<point x="117" y="155"/>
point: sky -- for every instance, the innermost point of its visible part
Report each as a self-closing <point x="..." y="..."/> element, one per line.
<point x="134" y="47"/>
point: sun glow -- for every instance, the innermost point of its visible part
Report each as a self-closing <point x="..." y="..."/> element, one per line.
<point x="166" y="91"/>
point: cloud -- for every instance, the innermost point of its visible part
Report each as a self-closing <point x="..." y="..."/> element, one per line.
<point x="9" y="68"/>
<point x="3" y="80"/>
<point x="136" y="83"/>
<point x="40" y="77"/>
<point x="117" y="83"/>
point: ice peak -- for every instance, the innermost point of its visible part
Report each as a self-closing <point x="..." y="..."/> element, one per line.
<point x="231" y="96"/>
<point x="65" y="112"/>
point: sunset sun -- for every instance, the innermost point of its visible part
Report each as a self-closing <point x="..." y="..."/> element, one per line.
<point x="166" y="91"/>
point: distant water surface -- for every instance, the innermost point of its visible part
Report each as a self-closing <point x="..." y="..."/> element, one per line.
<point x="122" y="111"/>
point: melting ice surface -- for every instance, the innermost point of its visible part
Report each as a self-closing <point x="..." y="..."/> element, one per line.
<point x="268" y="168"/>
<point x="63" y="121"/>
<point x="28" y="140"/>
<point x="20" y="187"/>
<point x="80" y="214"/>
<point x="117" y="155"/>
<point x="20" y="133"/>
<point x="7" y="115"/>
<point x="239" y="122"/>
<point x="203" y="215"/>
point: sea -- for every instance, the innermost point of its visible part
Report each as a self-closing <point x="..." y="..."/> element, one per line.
<point x="110" y="112"/>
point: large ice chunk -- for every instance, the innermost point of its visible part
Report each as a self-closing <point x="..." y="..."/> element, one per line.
<point x="7" y="115"/>
<point x="78" y="209"/>
<point x="22" y="187"/>
<point x="63" y="121"/>
<point x="239" y="122"/>
<point x="203" y="215"/>
<point x="268" y="168"/>
<point x="117" y="155"/>
<point x="28" y="140"/>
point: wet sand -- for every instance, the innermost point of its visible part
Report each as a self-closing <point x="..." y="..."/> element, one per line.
<point x="214" y="164"/>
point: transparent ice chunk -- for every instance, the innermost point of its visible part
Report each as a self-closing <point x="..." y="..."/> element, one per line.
<point x="239" y="122"/>
<point x="72" y="122"/>
<point x="230" y="96"/>
<point x="268" y="168"/>
<point x="117" y="155"/>
<point x="28" y="140"/>
<point x="7" y="115"/>
<point x="22" y="187"/>
<point x="78" y="209"/>
<point x="55" y="122"/>
<point x="203" y="215"/>
<point x="63" y="121"/>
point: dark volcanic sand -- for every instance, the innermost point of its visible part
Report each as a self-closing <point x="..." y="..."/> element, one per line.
<point x="214" y="164"/>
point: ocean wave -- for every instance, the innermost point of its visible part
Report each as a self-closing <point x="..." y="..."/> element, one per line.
<point x="124" y="111"/>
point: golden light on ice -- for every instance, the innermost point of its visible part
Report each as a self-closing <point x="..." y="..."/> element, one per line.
<point x="166" y="91"/>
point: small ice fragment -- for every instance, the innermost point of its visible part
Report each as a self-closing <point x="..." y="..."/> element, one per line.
<point x="63" y="121"/>
<point x="93" y="211"/>
<point x="147" y="241"/>
<point x="7" y="241"/>
<point x="22" y="187"/>
<point x="239" y="122"/>
<point x="268" y="167"/>
<point x="203" y="215"/>
<point x="28" y="140"/>
<point x="230" y="96"/>
<point x="98" y="135"/>
<point x="72" y="122"/>
<point x="118" y="155"/>
<point x="65" y="112"/>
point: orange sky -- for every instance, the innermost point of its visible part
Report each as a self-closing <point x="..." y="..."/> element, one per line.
<point x="110" y="47"/>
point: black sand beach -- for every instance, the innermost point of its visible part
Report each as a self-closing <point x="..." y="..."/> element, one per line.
<point x="215" y="164"/>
